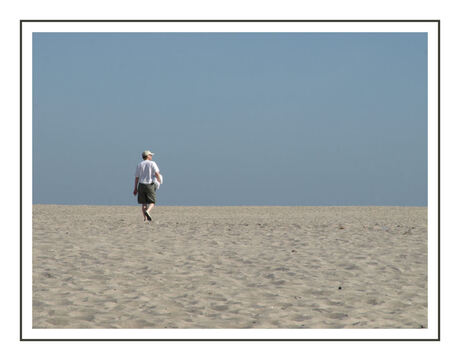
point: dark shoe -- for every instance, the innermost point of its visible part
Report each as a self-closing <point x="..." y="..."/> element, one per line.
<point x="148" y="215"/>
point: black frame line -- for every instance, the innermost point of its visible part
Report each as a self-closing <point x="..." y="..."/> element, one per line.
<point x="20" y="181"/>
<point x="229" y="21"/>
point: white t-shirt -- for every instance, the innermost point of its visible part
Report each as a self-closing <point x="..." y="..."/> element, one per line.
<point x="146" y="171"/>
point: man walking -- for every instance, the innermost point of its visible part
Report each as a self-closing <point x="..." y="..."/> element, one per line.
<point x="144" y="184"/>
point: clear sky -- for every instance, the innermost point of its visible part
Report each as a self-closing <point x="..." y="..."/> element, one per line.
<point x="233" y="118"/>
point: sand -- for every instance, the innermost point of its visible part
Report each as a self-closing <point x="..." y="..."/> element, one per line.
<point x="229" y="267"/>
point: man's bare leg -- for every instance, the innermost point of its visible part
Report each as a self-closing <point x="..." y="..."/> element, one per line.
<point x="147" y="211"/>
<point x="144" y="207"/>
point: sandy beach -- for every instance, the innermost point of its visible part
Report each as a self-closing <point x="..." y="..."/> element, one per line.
<point x="229" y="267"/>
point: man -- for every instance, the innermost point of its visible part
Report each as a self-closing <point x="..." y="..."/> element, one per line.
<point x="144" y="184"/>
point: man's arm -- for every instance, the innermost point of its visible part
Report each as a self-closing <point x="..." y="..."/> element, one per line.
<point x="136" y="181"/>
<point x="157" y="176"/>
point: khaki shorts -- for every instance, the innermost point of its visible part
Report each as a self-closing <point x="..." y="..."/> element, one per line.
<point x="146" y="193"/>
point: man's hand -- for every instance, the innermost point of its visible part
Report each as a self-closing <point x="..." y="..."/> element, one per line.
<point x="136" y="182"/>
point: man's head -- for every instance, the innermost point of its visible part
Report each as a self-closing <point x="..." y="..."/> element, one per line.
<point x="147" y="154"/>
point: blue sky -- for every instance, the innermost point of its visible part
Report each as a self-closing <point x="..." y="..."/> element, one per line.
<point x="234" y="118"/>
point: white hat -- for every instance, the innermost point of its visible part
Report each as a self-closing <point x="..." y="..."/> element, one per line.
<point x="145" y="153"/>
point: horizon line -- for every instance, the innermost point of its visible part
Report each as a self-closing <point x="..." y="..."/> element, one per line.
<point x="234" y="205"/>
